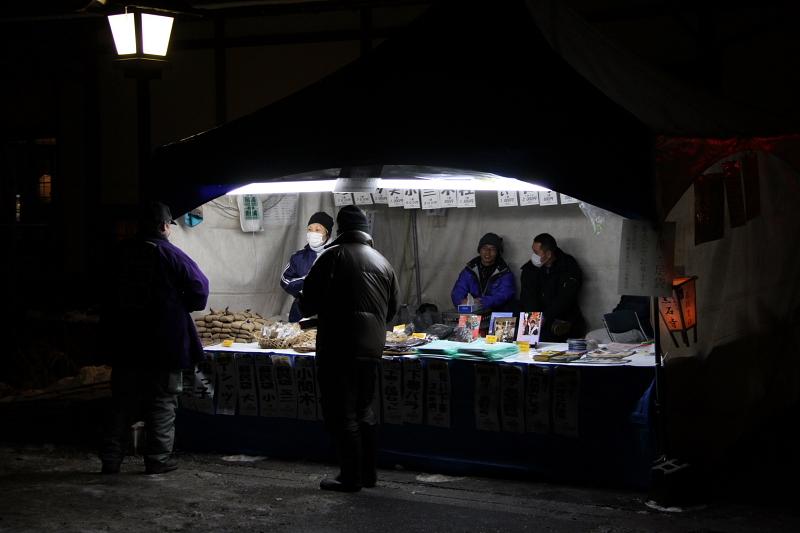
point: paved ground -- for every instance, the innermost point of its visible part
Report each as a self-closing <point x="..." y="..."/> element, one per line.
<point x="47" y="488"/>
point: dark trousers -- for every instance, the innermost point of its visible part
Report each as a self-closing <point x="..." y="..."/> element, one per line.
<point x="347" y="389"/>
<point x="141" y="394"/>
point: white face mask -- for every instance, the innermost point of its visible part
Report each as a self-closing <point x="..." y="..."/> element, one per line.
<point x="315" y="240"/>
<point x="536" y="260"/>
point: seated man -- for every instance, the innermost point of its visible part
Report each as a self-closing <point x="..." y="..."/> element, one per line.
<point x="551" y="282"/>
<point x="486" y="277"/>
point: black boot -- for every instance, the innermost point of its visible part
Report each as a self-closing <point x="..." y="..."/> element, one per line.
<point x="348" y="448"/>
<point x="369" y="449"/>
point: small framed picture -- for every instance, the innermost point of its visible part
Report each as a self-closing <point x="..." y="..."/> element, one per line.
<point x="505" y="328"/>
<point x="495" y="316"/>
<point x="529" y="327"/>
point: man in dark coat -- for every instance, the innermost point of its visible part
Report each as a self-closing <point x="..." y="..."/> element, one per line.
<point x="551" y="282"/>
<point x="152" y="287"/>
<point x="353" y="291"/>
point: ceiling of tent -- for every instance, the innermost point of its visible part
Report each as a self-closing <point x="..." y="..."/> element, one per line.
<point x="468" y="86"/>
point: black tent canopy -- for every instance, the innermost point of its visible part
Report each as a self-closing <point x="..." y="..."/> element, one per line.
<point x="470" y="86"/>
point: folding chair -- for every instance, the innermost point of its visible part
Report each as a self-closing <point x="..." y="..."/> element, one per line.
<point x="624" y="326"/>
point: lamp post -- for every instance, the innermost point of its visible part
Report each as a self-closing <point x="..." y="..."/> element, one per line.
<point x="141" y="37"/>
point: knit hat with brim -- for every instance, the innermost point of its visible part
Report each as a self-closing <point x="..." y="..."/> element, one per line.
<point x="493" y="239"/>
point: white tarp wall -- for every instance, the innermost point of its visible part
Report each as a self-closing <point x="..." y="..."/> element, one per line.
<point x="245" y="268"/>
<point x="749" y="281"/>
<point x="745" y="372"/>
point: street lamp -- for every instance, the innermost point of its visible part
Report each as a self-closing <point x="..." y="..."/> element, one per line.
<point x="140" y="36"/>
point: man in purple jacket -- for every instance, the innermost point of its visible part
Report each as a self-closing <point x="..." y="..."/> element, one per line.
<point x="486" y="277"/>
<point x="151" y="289"/>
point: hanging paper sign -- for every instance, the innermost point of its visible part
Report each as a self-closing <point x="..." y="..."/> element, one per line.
<point x="227" y="387"/>
<point x="537" y="400"/>
<point x="286" y="386"/>
<point x="487" y="385"/>
<point x="511" y="398"/>
<point x="466" y="198"/>
<point x="280" y="210"/>
<point x="568" y="200"/>
<point x="342" y="198"/>
<point x="645" y="259"/>
<point x="186" y="398"/>
<point x="412" y="391"/>
<point x="396" y="197"/>
<point x="205" y="379"/>
<point x="566" y="391"/>
<point x="507" y="199"/>
<point x="411" y="199"/>
<point x="529" y="198"/>
<point x="392" y="390"/>
<point x="306" y="387"/>
<point x="267" y="390"/>
<point x="363" y="198"/>
<point x="449" y="198"/>
<point x="380" y="196"/>
<point x="709" y="208"/>
<point x="734" y="193"/>
<point x="431" y="199"/>
<point x="548" y="198"/>
<point x="437" y="393"/>
<point x="247" y="395"/>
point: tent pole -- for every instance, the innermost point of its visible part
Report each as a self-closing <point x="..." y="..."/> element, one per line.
<point x="414" y="240"/>
<point x="661" y="439"/>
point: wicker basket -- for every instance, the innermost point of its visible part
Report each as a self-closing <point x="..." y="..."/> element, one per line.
<point x="286" y="342"/>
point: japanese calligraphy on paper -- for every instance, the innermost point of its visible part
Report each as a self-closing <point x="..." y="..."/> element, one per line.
<point x="437" y="393"/>
<point x="487" y="385"/>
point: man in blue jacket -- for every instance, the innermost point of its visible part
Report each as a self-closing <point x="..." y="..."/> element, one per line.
<point x="486" y="277"/>
<point x="152" y="287"/>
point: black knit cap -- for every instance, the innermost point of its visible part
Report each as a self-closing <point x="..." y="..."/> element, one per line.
<point x="351" y="218"/>
<point x="494" y="239"/>
<point x="322" y="218"/>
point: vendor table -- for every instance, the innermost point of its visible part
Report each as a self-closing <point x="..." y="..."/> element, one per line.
<point x="565" y="421"/>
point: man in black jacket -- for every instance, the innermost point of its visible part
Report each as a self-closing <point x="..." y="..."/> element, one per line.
<point x="551" y="282"/>
<point x="353" y="291"/>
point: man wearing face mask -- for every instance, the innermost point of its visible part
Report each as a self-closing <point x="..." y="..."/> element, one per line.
<point x="294" y="273"/>
<point x="486" y="277"/>
<point x="551" y="281"/>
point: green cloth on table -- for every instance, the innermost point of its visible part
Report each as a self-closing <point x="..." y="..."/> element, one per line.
<point x="492" y="352"/>
<point x="440" y="347"/>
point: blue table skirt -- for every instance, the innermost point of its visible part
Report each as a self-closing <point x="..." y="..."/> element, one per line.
<point x="613" y="445"/>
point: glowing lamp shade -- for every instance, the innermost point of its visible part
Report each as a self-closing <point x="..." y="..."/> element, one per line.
<point x="679" y="311"/>
<point x="156" y="30"/>
<point x="123" y="29"/>
<point x="155" y="33"/>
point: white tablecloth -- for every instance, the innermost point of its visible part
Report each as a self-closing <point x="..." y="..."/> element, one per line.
<point x="643" y="356"/>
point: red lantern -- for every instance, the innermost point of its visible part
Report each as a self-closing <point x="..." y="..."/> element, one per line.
<point x="679" y="311"/>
